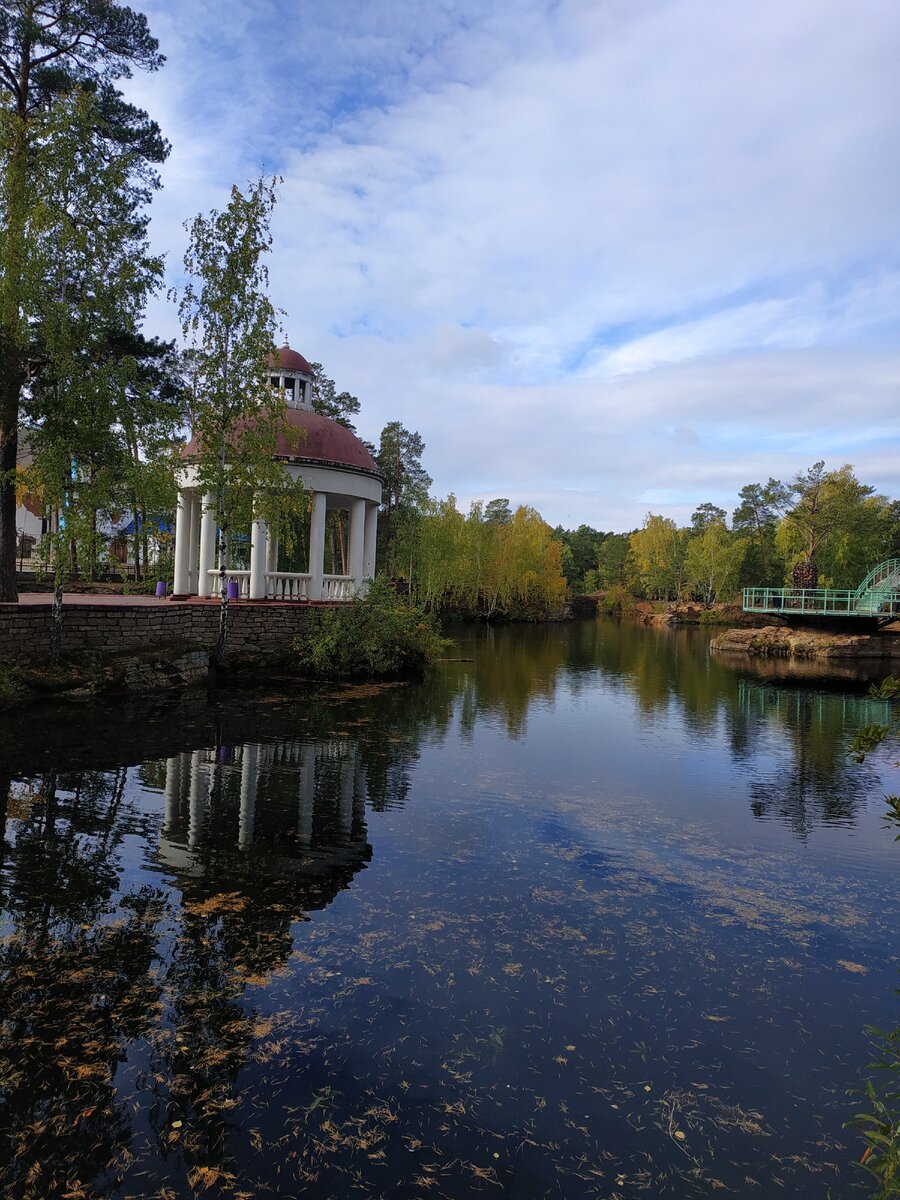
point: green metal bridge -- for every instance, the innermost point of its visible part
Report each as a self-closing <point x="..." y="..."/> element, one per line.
<point x="875" y="601"/>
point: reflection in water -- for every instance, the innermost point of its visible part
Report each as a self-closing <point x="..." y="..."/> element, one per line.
<point x="817" y="783"/>
<point x="511" y="929"/>
<point x="278" y="829"/>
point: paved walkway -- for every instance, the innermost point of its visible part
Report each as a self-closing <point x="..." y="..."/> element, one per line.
<point x="117" y="601"/>
<point x="30" y="598"/>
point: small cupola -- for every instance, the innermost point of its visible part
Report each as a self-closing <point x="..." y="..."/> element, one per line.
<point x="293" y="373"/>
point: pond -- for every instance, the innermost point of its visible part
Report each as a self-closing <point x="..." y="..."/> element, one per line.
<point x="587" y="914"/>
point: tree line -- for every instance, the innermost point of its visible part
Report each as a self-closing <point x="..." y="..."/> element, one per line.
<point x="822" y="528"/>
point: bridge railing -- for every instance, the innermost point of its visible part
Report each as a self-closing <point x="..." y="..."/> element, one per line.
<point x="822" y="601"/>
<point x="839" y="601"/>
<point x="885" y="575"/>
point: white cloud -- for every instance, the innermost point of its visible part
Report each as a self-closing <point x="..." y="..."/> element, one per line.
<point x="594" y="252"/>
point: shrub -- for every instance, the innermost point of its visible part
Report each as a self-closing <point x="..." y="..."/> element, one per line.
<point x="378" y="637"/>
<point x="9" y="682"/>
<point x="617" y="601"/>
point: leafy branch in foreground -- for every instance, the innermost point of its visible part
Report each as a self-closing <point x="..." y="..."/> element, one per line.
<point x="880" y="1125"/>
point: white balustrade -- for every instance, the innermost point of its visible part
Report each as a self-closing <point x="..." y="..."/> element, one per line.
<point x="287" y="585"/>
<point x="240" y="577"/>
<point x="337" y="587"/>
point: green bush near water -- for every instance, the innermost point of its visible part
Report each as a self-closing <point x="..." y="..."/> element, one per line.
<point x="378" y="637"/>
<point x="9" y="680"/>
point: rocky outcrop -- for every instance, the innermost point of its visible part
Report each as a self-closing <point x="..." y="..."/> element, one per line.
<point x="696" y="614"/>
<point x="775" y="641"/>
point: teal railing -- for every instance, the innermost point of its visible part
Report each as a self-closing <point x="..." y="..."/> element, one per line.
<point x="877" y="596"/>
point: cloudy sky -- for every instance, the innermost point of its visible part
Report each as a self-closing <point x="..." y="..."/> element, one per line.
<point x="606" y="256"/>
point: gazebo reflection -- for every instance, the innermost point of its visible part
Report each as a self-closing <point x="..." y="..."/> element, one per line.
<point x="269" y="821"/>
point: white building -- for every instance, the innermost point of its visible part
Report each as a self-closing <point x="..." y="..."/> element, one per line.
<point x="336" y="469"/>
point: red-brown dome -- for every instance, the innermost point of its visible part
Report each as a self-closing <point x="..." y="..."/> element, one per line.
<point x="290" y="360"/>
<point x="325" y="441"/>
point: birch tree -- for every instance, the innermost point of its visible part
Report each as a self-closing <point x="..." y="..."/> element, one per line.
<point x="230" y="326"/>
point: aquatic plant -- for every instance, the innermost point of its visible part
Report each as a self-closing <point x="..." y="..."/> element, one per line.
<point x="880" y="1126"/>
<point x="888" y="689"/>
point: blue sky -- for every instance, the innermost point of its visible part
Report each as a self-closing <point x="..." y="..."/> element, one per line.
<point x="607" y="256"/>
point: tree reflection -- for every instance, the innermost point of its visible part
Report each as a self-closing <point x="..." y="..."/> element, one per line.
<point x="819" y="784"/>
<point x="101" y="984"/>
<point x="77" y="982"/>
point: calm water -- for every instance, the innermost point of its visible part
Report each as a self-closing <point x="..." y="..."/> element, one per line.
<point x="585" y="915"/>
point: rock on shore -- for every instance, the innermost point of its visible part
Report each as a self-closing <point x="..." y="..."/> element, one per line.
<point x="776" y="641"/>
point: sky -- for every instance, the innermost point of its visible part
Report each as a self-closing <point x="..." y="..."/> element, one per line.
<point x="608" y="257"/>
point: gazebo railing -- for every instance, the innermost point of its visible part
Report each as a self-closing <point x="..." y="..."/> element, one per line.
<point x="287" y="585"/>
<point x="242" y="578"/>
<point x="291" y="585"/>
<point x="337" y="587"/>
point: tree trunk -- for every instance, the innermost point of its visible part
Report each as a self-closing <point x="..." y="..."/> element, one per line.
<point x="805" y="574"/>
<point x="8" y="447"/>
<point x="56" y="623"/>
<point x="12" y="333"/>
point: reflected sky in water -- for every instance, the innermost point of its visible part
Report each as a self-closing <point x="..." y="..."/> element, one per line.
<point x="589" y="913"/>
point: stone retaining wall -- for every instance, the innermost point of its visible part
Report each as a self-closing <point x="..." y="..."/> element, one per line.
<point x="98" y="630"/>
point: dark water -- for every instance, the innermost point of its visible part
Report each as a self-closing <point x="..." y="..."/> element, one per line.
<point x="585" y="915"/>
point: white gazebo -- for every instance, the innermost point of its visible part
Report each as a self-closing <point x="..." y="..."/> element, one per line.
<point x="335" y="467"/>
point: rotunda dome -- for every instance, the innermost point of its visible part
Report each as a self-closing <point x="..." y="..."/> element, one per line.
<point x="326" y="442"/>
<point x="290" y="360"/>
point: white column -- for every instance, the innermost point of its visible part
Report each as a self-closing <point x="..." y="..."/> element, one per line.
<point x="345" y="797"/>
<point x="371" y="535"/>
<point x="359" y="792"/>
<point x="307" y="797"/>
<point x="207" y="545"/>
<point x="173" y="792"/>
<point x="317" y="545"/>
<point x="182" y="543"/>
<point x="357" y="541"/>
<point x="258" y="535"/>
<point x="197" y="800"/>
<point x="249" y="784"/>
<point x="194" y="544"/>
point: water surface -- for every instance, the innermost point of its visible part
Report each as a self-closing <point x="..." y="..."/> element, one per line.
<point x="585" y="914"/>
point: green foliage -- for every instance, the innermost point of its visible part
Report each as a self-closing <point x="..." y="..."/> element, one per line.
<point x="76" y="168"/>
<point x="880" y="1125"/>
<point x="9" y="682"/>
<point x="237" y="416"/>
<point x="405" y="493"/>
<point x="615" y="562"/>
<point x="713" y="562"/>
<point x="660" y="551"/>
<point x="100" y="434"/>
<point x="617" y="601"/>
<point x="888" y="689"/>
<point x="892" y="816"/>
<point x="481" y="566"/>
<point x="867" y="739"/>
<point x="380" y="636"/>
<point x="580" y="548"/>
<point x="837" y="522"/>
<point x="327" y="400"/>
